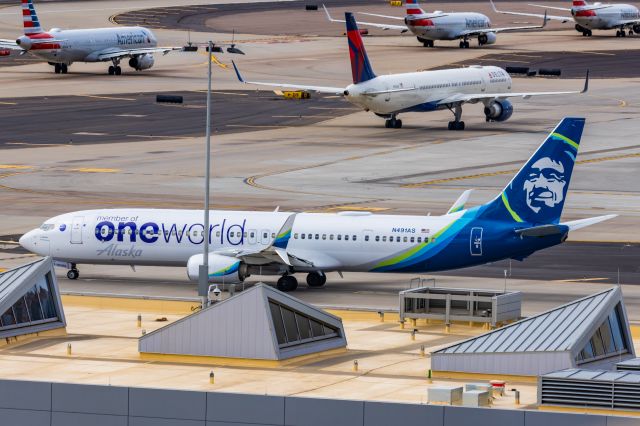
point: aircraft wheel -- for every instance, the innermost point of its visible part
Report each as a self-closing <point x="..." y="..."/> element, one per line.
<point x="112" y="70"/>
<point x="118" y="70"/>
<point x="316" y="279"/>
<point x="466" y="44"/>
<point x="57" y="68"/>
<point x="460" y="125"/>
<point x="387" y="124"/>
<point x="398" y="124"/>
<point x="64" y="68"/>
<point x="622" y="33"/>
<point x="589" y="33"/>
<point x="73" y="274"/>
<point x="461" y="45"/>
<point x="287" y="283"/>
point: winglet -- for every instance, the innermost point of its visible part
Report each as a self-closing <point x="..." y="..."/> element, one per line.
<point x="460" y="202"/>
<point x="238" y="73"/>
<point x="586" y="83"/>
<point x="494" y="6"/>
<point x="328" y="15"/>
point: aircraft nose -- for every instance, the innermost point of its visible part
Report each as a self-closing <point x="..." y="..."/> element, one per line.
<point x="28" y="239"/>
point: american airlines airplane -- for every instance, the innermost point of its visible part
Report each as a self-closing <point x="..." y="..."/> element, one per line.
<point x="438" y="25"/>
<point x="522" y="219"/>
<point x="596" y="16"/>
<point x="61" y="48"/>
<point x="389" y="95"/>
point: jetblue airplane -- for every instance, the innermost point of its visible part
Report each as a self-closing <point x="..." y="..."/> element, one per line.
<point x="61" y="48"/>
<point x="429" y="27"/>
<point x="522" y="219"/>
<point x="588" y="17"/>
<point x="388" y="96"/>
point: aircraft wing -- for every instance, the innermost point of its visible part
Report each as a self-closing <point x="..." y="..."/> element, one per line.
<point x="630" y="22"/>
<point x="426" y="16"/>
<point x="506" y="29"/>
<point x="462" y="98"/>
<point x="124" y="53"/>
<point x="535" y="15"/>
<point x="9" y="44"/>
<point x="319" y="89"/>
<point x="402" y="28"/>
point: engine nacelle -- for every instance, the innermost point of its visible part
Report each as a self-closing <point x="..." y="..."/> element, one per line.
<point x="222" y="269"/>
<point x="142" y="62"/>
<point x="636" y="29"/>
<point x="487" y="38"/>
<point x="24" y="42"/>
<point x="498" y="110"/>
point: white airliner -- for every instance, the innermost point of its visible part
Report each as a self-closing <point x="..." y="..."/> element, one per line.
<point x="61" y="48"/>
<point x="596" y="16"/>
<point x="438" y="25"/>
<point x="393" y="94"/>
<point x="523" y="218"/>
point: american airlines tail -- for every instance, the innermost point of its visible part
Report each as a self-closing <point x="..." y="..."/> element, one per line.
<point x="413" y="8"/>
<point x="30" y="18"/>
<point x="360" y="66"/>
<point x="579" y="3"/>
<point x="537" y="193"/>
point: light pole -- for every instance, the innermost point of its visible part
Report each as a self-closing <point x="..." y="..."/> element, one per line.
<point x="203" y="275"/>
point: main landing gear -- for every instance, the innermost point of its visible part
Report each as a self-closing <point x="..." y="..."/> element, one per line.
<point x="464" y="44"/>
<point x="393" y="123"/>
<point x="115" y="68"/>
<point x="587" y="33"/>
<point x="316" y="279"/>
<point x="456" y="124"/>
<point x="73" y="273"/>
<point x="60" y="68"/>
<point x="287" y="283"/>
<point x="425" y="42"/>
<point x="622" y="33"/>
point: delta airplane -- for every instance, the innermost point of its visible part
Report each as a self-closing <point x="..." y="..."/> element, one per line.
<point x="597" y="16"/>
<point x="61" y="48"/>
<point x="389" y="95"/>
<point x="429" y="27"/>
<point x="522" y="219"/>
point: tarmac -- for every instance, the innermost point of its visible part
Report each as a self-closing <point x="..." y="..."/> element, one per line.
<point x="331" y="159"/>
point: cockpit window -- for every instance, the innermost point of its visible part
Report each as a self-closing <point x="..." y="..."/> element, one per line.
<point x="47" y="226"/>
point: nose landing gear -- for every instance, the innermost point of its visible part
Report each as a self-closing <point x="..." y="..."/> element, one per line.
<point x="73" y="273"/>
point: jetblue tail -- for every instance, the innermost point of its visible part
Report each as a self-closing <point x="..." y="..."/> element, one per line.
<point x="413" y="8"/>
<point x="30" y="18"/>
<point x="537" y="193"/>
<point x="360" y="66"/>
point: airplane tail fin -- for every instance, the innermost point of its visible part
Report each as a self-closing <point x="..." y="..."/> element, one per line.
<point x="360" y="67"/>
<point x="413" y="8"/>
<point x="580" y="3"/>
<point x="30" y="18"/>
<point x="537" y="193"/>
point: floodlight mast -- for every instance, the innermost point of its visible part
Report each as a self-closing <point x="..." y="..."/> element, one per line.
<point x="203" y="275"/>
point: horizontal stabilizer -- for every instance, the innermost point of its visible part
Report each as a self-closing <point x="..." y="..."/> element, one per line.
<point x="540" y="231"/>
<point x="583" y="223"/>
<point x="460" y="202"/>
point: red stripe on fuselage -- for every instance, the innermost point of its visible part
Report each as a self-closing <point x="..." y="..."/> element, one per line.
<point x="45" y="46"/>
<point x="40" y="36"/>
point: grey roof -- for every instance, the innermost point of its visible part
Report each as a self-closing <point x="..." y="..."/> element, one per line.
<point x="595" y="375"/>
<point x="10" y="280"/>
<point x="243" y="327"/>
<point x="557" y="330"/>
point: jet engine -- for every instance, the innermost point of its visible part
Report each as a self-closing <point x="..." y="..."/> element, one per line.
<point x="24" y="42"/>
<point x="222" y="269"/>
<point x="487" y="38"/>
<point x="636" y="29"/>
<point x="498" y="110"/>
<point x="142" y="62"/>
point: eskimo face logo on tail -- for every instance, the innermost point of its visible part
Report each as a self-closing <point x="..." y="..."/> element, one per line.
<point x="545" y="185"/>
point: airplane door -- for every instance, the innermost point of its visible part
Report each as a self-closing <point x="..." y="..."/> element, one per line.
<point x="476" y="242"/>
<point x="76" y="230"/>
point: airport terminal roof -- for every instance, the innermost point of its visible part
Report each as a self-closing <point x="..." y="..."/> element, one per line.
<point x="590" y="331"/>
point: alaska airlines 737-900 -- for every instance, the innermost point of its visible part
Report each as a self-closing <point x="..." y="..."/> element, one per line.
<point x="61" y="48"/>
<point x="522" y="219"/>
<point x="393" y="94"/>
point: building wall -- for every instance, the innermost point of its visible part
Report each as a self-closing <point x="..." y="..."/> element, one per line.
<point x="52" y="404"/>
